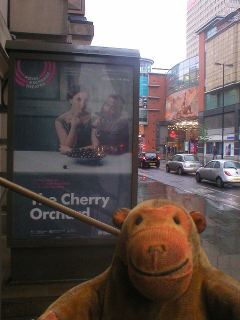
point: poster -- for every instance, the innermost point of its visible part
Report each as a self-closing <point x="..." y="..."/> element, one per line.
<point x="182" y="104"/>
<point x="72" y="144"/>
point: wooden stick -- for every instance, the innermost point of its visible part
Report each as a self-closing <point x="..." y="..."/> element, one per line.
<point x="57" y="206"/>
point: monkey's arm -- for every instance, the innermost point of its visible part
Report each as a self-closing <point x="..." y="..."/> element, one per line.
<point x="83" y="302"/>
<point x="223" y="296"/>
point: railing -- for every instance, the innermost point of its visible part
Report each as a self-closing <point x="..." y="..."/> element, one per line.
<point x="57" y="206"/>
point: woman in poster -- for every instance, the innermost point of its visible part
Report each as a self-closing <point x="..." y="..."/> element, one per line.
<point x="75" y="127"/>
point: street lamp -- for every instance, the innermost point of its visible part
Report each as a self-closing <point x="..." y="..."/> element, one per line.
<point x="223" y="65"/>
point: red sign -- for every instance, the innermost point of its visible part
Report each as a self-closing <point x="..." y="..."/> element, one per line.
<point x="173" y="134"/>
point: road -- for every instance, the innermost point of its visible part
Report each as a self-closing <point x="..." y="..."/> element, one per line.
<point x="228" y="195"/>
<point x="220" y="206"/>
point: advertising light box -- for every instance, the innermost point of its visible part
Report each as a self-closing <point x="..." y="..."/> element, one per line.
<point x="73" y="119"/>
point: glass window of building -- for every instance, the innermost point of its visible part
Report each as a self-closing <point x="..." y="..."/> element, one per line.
<point x="183" y="76"/>
<point x="230" y="97"/>
<point x="210" y="101"/>
<point x="209" y="147"/>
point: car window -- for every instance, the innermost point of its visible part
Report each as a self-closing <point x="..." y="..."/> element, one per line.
<point x="150" y="154"/>
<point x="231" y="164"/>
<point x="175" y="158"/>
<point x="237" y="164"/>
<point x="191" y="158"/>
<point x="210" y="164"/>
<point x="217" y="165"/>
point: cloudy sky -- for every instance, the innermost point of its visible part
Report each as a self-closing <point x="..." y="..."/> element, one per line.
<point x="157" y="28"/>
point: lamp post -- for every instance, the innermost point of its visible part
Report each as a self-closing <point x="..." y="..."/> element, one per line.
<point x="223" y="65"/>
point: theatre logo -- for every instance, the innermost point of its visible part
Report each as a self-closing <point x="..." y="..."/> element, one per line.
<point x="34" y="77"/>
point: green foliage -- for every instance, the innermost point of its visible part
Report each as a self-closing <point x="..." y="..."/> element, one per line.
<point x="203" y="133"/>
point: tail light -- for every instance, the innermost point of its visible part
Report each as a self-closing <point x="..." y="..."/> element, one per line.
<point x="227" y="173"/>
<point x="144" y="158"/>
<point x="158" y="158"/>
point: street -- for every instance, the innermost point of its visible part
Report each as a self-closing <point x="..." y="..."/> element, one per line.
<point x="228" y="195"/>
<point x="221" y="207"/>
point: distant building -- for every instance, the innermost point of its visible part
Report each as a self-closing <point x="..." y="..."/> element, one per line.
<point x="152" y="93"/>
<point x="199" y="12"/>
<point x="219" y="84"/>
<point x="182" y="106"/>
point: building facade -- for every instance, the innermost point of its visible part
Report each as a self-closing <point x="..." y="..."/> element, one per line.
<point x="199" y="12"/>
<point x="219" y="84"/>
<point x="182" y="106"/>
<point x="152" y="97"/>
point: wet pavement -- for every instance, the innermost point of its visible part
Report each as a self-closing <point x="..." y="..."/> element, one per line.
<point x="221" y="238"/>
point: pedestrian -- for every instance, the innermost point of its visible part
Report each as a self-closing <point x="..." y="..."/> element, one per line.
<point x="214" y="152"/>
<point x="168" y="151"/>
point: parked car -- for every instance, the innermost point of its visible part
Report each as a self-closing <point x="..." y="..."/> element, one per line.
<point x="183" y="163"/>
<point x="148" y="159"/>
<point x="220" y="171"/>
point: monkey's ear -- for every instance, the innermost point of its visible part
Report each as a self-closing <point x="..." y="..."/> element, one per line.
<point x="199" y="220"/>
<point x="119" y="216"/>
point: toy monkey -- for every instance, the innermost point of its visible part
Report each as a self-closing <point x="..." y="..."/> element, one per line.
<point x="159" y="271"/>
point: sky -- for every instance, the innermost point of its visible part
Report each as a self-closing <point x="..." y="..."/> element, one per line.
<point x="157" y="28"/>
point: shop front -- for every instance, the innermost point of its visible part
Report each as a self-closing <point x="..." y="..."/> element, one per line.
<point x="182" y="139"/>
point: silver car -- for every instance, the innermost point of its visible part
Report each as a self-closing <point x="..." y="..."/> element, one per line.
<point x="220" y="171"/>
<point x="183" y="163"/>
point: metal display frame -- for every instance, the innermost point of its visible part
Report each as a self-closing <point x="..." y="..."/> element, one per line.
<point x="91" y="255"/>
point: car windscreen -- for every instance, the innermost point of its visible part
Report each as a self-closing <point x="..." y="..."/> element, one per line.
<point x="232" y="164"/>
<point x="150" y="155"/>
<point x="191" y="158"/>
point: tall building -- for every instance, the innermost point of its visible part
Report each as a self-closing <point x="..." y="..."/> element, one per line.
<point x="152" y="96"/>
<point x="199" y="12"/>
<point x="219" y="79"/>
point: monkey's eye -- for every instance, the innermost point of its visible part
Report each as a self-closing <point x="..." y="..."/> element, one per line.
<point x="138" y="220"/>
<point x="176" y="220"/>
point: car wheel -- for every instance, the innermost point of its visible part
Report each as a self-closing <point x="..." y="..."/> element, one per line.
<point x="167" y="168"/>
<point x="141" y="165"/>
<point x="198" y="178"/>
<point x="219" y="182"/>
<point x="180" y="171"/>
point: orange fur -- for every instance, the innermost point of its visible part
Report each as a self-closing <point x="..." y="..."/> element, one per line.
<point x="159" y="271"/>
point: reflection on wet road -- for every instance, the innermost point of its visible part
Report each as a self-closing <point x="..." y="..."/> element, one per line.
<point x="221" y="238"/>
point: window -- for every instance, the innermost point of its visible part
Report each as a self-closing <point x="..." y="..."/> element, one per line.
<point x="217" y="165"/>
<point x="209" y="147"/>
<point x="218" y="147"/>
<point x="210" y="164"/>
<point x="230" y="97"/>
<point x="210" y="101"/>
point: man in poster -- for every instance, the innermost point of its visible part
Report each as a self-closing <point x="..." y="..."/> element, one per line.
<point x="112" y="128"/>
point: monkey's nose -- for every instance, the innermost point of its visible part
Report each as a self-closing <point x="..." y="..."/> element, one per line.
<point x="160" y="249"/>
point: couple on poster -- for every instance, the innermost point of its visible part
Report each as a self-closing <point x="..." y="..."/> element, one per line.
<point x="78" y="128"/>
